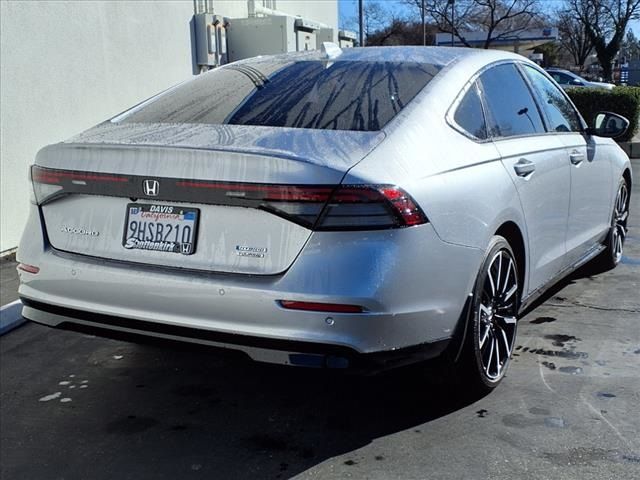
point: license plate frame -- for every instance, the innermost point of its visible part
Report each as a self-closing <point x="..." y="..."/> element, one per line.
<point x="151" y="237"/>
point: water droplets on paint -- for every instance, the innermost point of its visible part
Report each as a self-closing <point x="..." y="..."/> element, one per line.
<point x="65" y="400"/>
<point x="117" y="357"/>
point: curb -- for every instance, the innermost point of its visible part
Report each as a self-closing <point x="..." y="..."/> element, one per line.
<point x="11" y="316"/>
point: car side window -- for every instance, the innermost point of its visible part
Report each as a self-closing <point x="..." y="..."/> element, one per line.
<point x="562" y="78"/>
<point x="560" y="113"/>
<point x="510" y="108"/>
<point x="469" y="115"/>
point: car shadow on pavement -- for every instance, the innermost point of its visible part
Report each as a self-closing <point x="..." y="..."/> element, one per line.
<point x="209" y="416"/>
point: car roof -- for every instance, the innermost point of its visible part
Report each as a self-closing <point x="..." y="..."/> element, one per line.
<point x="439" y="56"/>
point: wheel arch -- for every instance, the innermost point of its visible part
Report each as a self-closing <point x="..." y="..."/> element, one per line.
<point x="512" y="234"/>
<point x="627" y="176"/>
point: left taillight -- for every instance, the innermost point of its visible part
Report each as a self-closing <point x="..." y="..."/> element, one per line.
<point x="49" y="184"/>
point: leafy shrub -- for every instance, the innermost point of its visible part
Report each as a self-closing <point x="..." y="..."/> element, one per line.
<point x="624" y="101"/>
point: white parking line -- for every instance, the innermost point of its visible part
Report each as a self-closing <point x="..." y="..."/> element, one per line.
<point x="10" y="316"/>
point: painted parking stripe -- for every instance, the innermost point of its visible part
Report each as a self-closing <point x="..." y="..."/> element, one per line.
<point x="10" y="316"/>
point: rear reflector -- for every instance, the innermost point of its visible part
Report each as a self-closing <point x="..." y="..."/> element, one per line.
<point x="317" y="207"/>
<point x="320" y="307"/>
<point x="28" y="268"/>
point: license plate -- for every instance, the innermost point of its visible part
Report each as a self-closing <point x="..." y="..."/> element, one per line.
<point x="161" y="228"/>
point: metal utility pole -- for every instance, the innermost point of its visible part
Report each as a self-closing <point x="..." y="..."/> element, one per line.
<point x="424" y="27"/>
<point x="361" y="21"/>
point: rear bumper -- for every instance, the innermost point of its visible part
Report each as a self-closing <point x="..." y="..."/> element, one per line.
<point x="286" y="352"/>
<point x="412" y="286"/>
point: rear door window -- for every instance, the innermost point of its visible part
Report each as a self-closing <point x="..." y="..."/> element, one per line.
<point x="561" y="115"/>
<point x="469" y="115"/>
<point x="511" y="110"/>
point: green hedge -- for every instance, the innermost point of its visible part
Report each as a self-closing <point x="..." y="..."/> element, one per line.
<point x="624" y="101"/>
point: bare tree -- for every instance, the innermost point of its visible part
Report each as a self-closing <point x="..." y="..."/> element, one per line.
<point x="574" y="37"/>
<point x="497" y="18"/>
<point x="605" y="22"/>
<point x="403" y="32"/>
<point x="630" y="48"/>
<point x="378" y="15"/>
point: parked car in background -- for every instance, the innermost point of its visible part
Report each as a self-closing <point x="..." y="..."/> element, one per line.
<point x="333" y="208"/>
<point x="568" y="79"/>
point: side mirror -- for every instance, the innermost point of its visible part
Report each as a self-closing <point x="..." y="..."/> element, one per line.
<point x="609" y="125"/>
<point x="577" y="82"/>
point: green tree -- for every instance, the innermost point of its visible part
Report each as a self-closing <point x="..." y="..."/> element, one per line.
<point x="550" y="52"/>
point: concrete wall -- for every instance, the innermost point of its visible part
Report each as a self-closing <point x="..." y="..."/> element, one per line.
<point x="68" y="65"/>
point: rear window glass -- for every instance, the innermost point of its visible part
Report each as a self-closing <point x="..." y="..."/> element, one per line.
<point x="361" y="96"/>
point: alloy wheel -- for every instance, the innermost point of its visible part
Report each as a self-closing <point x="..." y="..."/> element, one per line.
<point x="620" y="215"/>
<point x="497" y="315"/>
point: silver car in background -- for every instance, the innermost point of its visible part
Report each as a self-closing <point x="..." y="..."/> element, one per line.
<point x="372" y="207"/>
<point x="568" y="79"/>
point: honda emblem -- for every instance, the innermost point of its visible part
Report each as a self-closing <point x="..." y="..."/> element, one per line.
<point x="151" y="188"/>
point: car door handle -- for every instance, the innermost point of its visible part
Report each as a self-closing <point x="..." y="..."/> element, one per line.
<point x="576" y="158"/>
<point x="524" y="167"/>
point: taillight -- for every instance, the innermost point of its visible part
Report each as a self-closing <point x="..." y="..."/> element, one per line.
<point x="49" y="183"/>
<point x="353" y="207"/>
<point x="317" y="207"/>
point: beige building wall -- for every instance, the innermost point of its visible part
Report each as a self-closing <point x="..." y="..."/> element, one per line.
<point x="68" y="65"/>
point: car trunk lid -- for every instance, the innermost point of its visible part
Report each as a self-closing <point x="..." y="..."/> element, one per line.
<point x="120" y="182"/>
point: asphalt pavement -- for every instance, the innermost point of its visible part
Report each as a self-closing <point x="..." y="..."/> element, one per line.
<point x="74" y="406"/>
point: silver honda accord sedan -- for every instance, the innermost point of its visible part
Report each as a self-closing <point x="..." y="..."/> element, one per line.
<point x="366" y="207"/>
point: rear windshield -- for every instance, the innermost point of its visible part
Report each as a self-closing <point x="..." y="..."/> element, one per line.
<point x="362" y="96"/>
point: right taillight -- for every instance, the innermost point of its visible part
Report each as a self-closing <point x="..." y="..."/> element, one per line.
<point x="367" y="207"/>
<point x="318" y="207"/>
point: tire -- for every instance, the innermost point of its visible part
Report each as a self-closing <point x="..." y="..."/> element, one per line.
<point x="492" y="319"/>
<point x="616" y="236"/>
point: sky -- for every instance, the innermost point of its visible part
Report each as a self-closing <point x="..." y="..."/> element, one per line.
<point x="349" y="9"/>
